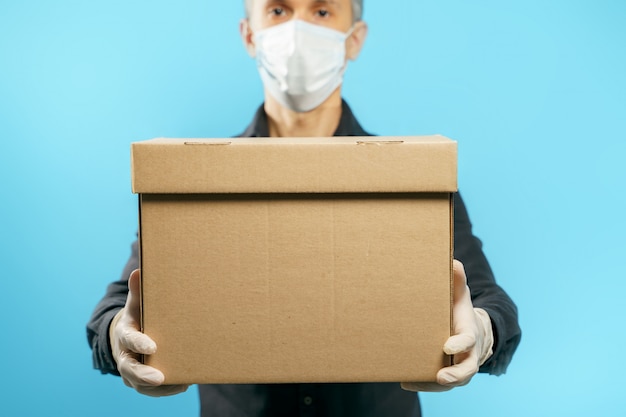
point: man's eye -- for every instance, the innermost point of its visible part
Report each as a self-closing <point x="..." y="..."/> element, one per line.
<point x="277" y="11"/>
<point x="323" y="13"/>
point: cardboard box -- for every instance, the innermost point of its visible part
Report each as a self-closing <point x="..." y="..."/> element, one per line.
<point x="296" y="260"/>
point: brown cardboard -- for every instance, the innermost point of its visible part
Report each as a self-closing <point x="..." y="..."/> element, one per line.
<point x="296" y="260"/>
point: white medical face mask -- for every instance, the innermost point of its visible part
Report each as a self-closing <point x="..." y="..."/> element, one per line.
<point x="300" y="63"/>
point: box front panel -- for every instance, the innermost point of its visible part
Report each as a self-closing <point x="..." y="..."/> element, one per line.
<point x="324" y="288"/>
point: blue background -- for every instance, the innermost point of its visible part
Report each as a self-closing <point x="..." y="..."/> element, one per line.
<point x="533" y="90"/>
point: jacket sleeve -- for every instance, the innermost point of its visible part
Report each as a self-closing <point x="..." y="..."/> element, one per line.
<point x="486" y="293"/>
<point x="98" y="326"/>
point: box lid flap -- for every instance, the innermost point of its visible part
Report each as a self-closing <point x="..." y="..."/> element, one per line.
<point x="295" y="165"/>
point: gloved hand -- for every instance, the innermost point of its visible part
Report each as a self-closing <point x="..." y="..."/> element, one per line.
<point x="127" y="343"/>
<point x="471" y="344"/>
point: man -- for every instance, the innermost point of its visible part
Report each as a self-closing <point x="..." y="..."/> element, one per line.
<point x="302" y="48"/>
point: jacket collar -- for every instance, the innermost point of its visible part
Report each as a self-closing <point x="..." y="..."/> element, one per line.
<point x="348" y="124"/>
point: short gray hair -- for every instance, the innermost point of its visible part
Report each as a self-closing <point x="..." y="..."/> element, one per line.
<point x="357" y="9"/>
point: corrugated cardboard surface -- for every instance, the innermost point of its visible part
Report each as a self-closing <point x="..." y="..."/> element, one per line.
<point x="271" y="165"/>
<point x="295" y="287"/>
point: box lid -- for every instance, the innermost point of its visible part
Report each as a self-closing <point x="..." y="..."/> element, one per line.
<point x="294" y="165"/>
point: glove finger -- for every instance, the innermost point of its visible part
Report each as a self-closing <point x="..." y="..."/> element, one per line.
<point x="126" y="328"/>
<point x="459" y="343"/>
<point x="162" y="391"/>
<point x="135" y="341"/>
<point x="461" y="290"/>
<point x="424" y="387"/>
<point x="463" y="308"/>
<point x="136" y="374"/>
<point x="460" y="373"/>
<point x="134" y="296"/>
<point x="459" y="272"/>
<point x="157" y="391"/>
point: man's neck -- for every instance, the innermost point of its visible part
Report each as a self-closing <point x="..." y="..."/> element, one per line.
<point x="320" y="122"/>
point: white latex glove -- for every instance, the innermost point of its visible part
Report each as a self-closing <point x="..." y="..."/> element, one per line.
<point x="127" y="343"/>
<point x="471" y="344"/>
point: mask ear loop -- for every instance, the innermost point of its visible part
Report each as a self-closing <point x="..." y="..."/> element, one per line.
<point x="350" y="32"/>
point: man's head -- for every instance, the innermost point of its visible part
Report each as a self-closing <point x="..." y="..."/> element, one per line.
<point x="302" y="47"/>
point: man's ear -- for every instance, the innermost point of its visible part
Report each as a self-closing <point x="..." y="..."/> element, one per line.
<point x="246" y="36"/>
<point x="354" y="43"/>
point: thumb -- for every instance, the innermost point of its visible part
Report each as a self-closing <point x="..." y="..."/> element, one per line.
<point x="127" y="328"/>
<point x="133" y="301"/>
<point x="461" y="291"/>
<point x="464" y="322"/>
